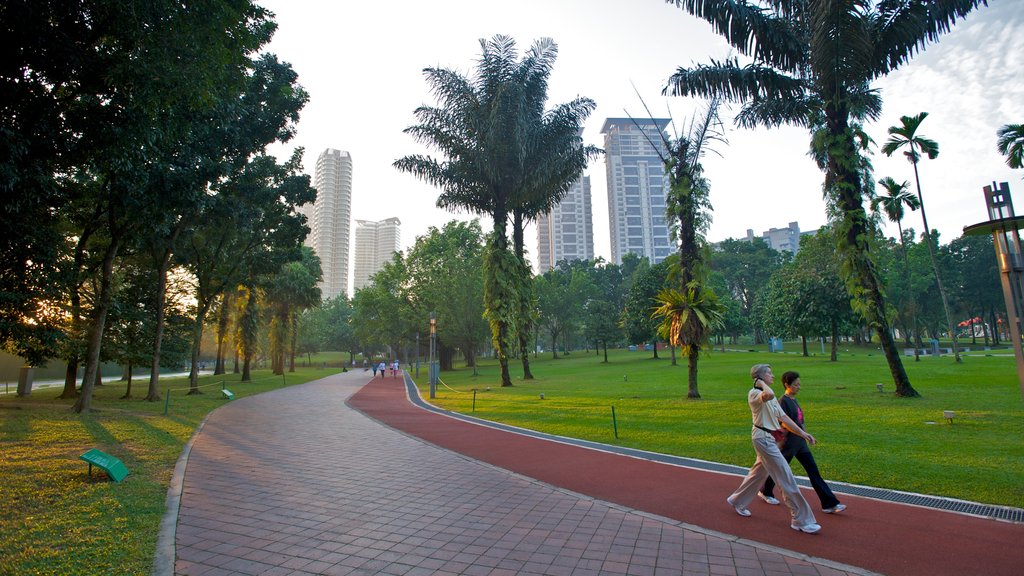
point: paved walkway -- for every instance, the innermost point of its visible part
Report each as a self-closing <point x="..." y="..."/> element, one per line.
<point x="296" y="482"/>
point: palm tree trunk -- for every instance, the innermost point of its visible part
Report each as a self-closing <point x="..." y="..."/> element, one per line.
<point x="691" y="372"/>
<point x="935" y="269"/>
<point x="99" y="320"/>
<point x="861" y="275"/>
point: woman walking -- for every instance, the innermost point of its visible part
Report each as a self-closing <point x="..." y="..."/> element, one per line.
<point x="767" y="415"/>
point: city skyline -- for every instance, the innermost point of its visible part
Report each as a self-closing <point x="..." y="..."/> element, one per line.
<point x="968" y="82"/>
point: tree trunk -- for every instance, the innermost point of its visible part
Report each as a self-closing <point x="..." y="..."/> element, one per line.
<point x="804" y="340"/>
<point x="294" y="329"/>
<point x="554" y="345"/>
<point x="246" y="374"/>
<point x="673" y="348"/>
<point x="99" y="320"/>
<point x="222" y="332"/>
<point x="654" y="346"/>
<point x="71" y="379"/>
<point x="128" y="387"/>
<point x="862" y="279"/>
<point x="835" y="341"/>
<point x="197" y="341"/>
<point x="605" y="351"/>
<point x="691" y="372"/>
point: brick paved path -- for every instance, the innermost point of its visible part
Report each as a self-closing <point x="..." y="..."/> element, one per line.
<point x="295" y="482"/>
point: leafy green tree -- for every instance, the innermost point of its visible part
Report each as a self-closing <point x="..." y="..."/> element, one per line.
<point x="906" y="136"/>
<point x="502" y="152"/>
<point x="249" y="229"/>
<point x="812" y="64"/>
<point x="746" y="268"/>
<point x="601" y="325"/>
<point x="1011" y="144"/>
<point x="645" y="284"/>
<point x="975" y="276"/>
<point x="897" y="197"/>
<point x="562" y="296"/>
<point x="444" y="268"/>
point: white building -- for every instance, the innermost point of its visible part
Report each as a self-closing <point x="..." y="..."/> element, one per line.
<point x="636" y="188"/>
<point x="376" y="242"/>
<point x="782" y="239"/>
<point x="331" y="219"/>
<point x="567" y="232"/>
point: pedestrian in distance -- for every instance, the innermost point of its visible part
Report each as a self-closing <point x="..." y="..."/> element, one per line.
<point x="394" y="368"/>
<point x="797" y="446"/>
<point x="374" y="369"/>
<point x="381" y="367"/>
<point x="768" y="419"/>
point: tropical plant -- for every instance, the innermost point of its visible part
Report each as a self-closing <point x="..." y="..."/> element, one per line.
<point x="1011" y="144"/>
<point x="906" y="136"/>
<point x="505" y="156"/>
<point x="892" y="204"/>
<point x="812" y="64"/>
<point x="688" y="317"/>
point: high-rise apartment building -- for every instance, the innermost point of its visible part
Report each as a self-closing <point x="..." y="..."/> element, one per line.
<point x="567" y="232"/>
<point x="376" y="242"/>
<point x="331" y="219"/>
<point x="636" y="188"/>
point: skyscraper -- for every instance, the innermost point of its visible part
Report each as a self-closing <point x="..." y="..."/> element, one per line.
<point x="567" y="232"/>
<point x="636" y="188"/>
<point x="331" y="220"/>
<point x="376" y="242"/>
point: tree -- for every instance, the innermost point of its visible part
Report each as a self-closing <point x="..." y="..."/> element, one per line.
<point x="688" y="205"/>
<point x="1011" y="144"/>
<point x="812" y="64"/>
<point x="687" y="317"/>
<point x="502" y="151"/>
<point x="892" y="203"/>
<point x="247" y="338"/>
<point x="444" y="272"/>
<point x="645" y="284"/>
<point x="290" y="291"/>
<point x="746" y="267"/>
<point x="906" y="136"/>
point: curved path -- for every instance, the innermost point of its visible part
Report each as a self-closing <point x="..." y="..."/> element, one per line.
<point x="297" y="482"/>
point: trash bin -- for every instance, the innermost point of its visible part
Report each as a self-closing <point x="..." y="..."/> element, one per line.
<point x="25" y="380"/>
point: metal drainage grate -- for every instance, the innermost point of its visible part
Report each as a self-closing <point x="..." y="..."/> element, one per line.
<point x="1006" y="513"/>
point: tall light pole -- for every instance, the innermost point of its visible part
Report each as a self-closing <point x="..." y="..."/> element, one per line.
<point x="433" y="346"/>
<point x="1004" y="225"/>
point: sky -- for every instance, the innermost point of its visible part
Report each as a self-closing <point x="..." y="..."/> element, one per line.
<point x="362" y="64"/>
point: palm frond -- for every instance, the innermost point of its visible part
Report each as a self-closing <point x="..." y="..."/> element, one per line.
<point x="1011" y="144"/>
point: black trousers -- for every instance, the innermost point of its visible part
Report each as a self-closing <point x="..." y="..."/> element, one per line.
<point x="806" y="459"/>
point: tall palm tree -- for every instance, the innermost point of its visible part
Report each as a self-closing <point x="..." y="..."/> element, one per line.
<point x="893" y="203"/>
<point x="689" y="207"/>
<point x="811" y="64"/>
<point x="906" y="136"/>
<point x="1011" y="144"/>
<point x="500" y="148"/>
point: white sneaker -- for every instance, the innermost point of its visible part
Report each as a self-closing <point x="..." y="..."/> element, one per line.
<point x="739" y="509"/>
<point x="808" y="528"/>
<point x="834" y="509"/>
<point x="769" y="499"/>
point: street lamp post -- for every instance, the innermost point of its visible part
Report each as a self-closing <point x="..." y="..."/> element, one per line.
<point x="1004" y="225"/>
<point x="433" y="347"/>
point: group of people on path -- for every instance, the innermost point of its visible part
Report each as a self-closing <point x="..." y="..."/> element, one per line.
<point x="778" y="435"/>
<point x="382" y="368"/>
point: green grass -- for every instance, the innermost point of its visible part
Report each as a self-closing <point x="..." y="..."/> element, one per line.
<point x="865" y="437"/>
<point x="56" y="520"/>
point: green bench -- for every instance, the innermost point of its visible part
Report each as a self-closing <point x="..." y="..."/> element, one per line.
<point x="112" y="466"/>
<point x="228" y="394"/>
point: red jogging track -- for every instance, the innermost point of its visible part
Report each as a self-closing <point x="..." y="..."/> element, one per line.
<point x="884" y="537"/>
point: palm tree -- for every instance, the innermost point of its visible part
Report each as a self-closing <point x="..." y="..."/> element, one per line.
<point x="812" y="64"/>
<point x="688" y="318"/>
<point x="906" y="136"/>
<point x="1011" y="144"/>
<point x="501" y="148"/>
<point x="689" y="207"/>
<point x="892" y="204"/>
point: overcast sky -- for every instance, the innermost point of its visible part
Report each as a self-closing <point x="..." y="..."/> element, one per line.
<point x="362" y="64"/>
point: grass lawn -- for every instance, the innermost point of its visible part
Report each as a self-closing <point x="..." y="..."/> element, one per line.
<point x="865" y="437"/>
<point x="55" y="520"/>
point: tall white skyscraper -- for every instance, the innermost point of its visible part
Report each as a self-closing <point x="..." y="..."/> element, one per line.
<point x="376" y="242"/>
<point x="636" y="188"/>
<point x="567" y="232"/>
<point x="331" y="219"/>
